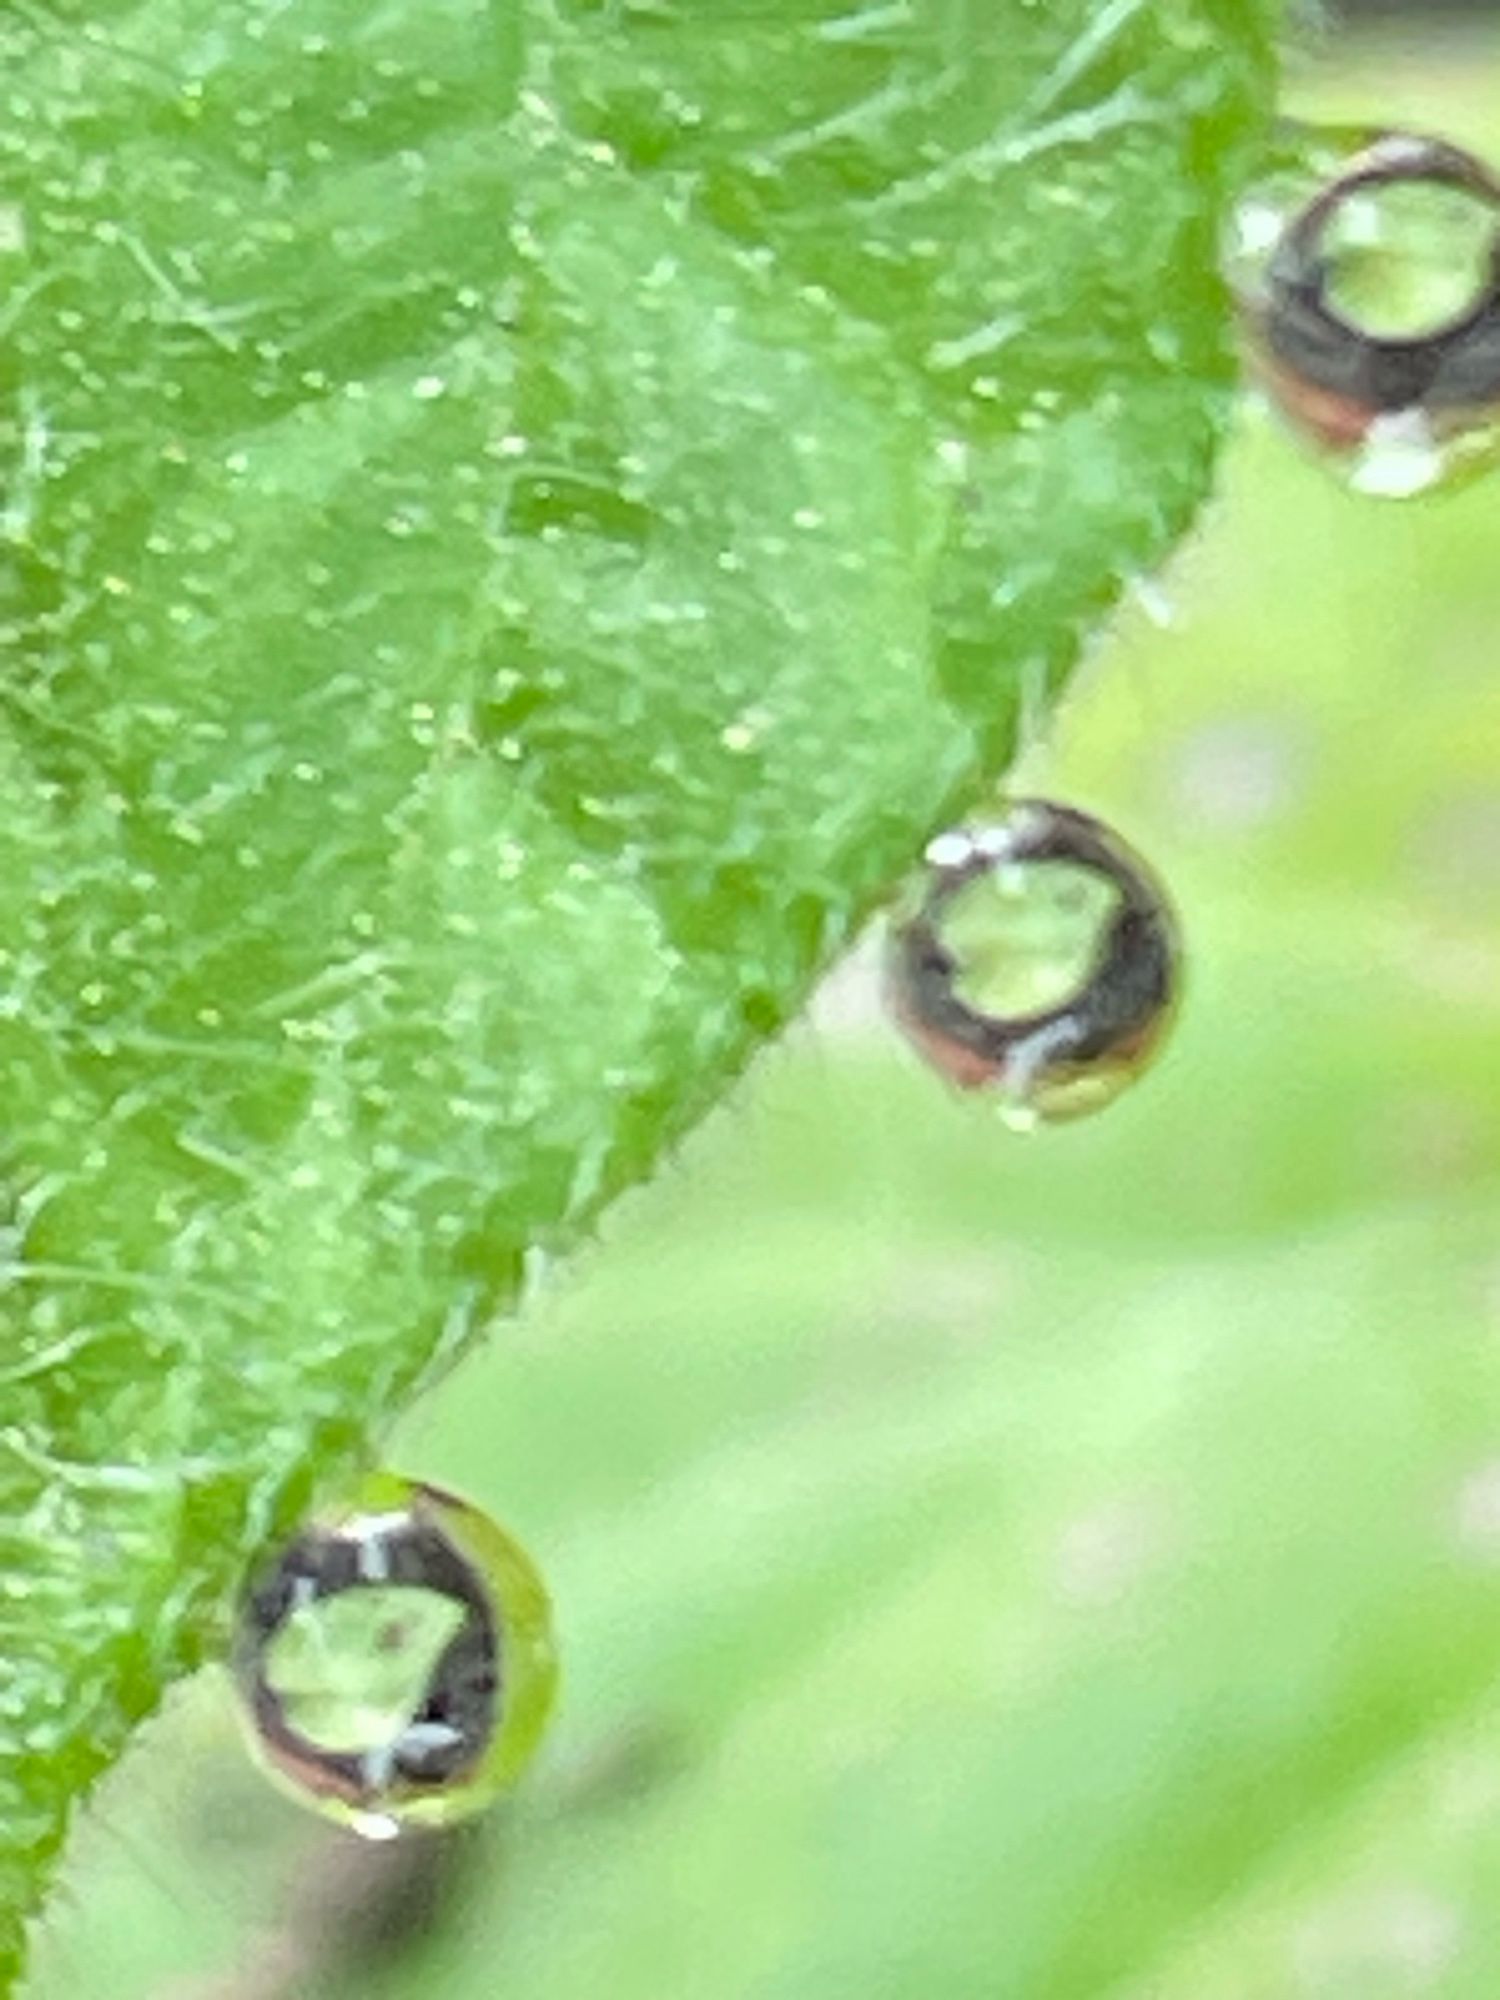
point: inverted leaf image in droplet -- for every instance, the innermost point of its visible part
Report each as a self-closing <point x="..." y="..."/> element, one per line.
<point x="395" y="1660"/>
<point x="1041" y="962"/>
<point x="1367" y="274"/>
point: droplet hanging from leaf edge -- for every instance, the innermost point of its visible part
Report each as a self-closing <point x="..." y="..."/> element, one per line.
<point x="1366" y="271"/>
<point x="1084" y="962"/>
<point x="394" y="1661"/>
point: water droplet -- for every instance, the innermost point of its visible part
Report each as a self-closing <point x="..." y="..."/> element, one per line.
<point x="395" y="1659"/>
<point x="1366" y="268"/>
<point x="1041" y="962"/>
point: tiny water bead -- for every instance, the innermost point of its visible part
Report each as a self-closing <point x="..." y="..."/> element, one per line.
<point x="1041" y="962"/>
<point x="1367" y="273"/>
<point x="395" y="1661"/>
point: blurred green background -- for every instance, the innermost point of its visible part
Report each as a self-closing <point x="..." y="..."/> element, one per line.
<point x="1007" y="1569"/>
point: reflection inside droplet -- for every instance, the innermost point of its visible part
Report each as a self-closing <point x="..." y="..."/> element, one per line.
<point x="1367" y="275"/>
<point x="1406" y="259"/>
<point x="1025" y="936"/>
<point x="1039" y="962"/>
<point x="351" y="1671"/>
<point x="395" y="1660"/>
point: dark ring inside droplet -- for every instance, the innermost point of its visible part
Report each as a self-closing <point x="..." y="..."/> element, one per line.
<point x="1457" y="367"/>
<point x="455" y="1725"/>
<point x="1129" y="990"/>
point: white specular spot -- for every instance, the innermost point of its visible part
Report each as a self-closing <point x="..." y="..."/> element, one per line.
<point x="949" y="850"/>
<point x="1399" y="457"/>
<point x="994" y="843"/>
<point x="1258" y="227"/>
<point x="374" y="1559"/>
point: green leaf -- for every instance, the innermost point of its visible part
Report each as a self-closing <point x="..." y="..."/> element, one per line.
<point x="998" y="1568"/>
<point x="516" y="522"/>
<point x="1062" y="1568"/>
